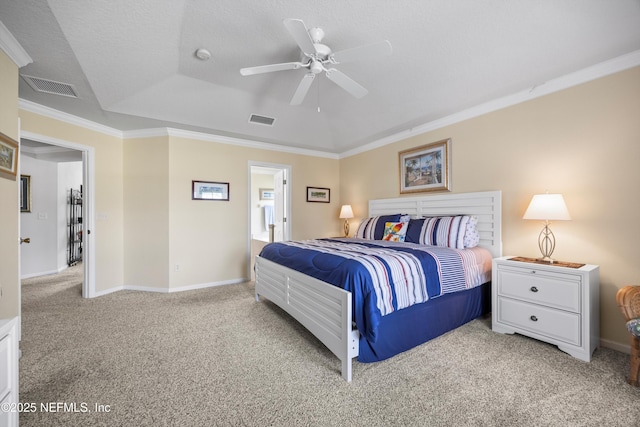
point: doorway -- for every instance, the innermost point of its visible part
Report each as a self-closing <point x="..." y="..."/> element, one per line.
<point x="269" y="206"/>
<point x="57" y="151"/>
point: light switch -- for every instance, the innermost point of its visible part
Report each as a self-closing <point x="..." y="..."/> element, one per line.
<point x="42" y="216"/>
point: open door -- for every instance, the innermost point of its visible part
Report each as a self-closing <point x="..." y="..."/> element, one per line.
<point x="269" y="191"/>
<point x="279" y="206"/>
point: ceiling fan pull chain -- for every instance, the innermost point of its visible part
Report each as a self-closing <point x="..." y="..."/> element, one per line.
<point x="319" y="94"/>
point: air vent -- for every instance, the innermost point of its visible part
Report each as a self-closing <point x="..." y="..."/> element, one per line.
<point x="261" y="120"/>
<point x="49" y="86"/>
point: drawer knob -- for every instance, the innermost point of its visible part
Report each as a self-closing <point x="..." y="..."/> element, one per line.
<point x="534" y="289"/>
<point x="534" y="318"/>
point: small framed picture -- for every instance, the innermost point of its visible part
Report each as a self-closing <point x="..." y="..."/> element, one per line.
<point x="25" y="193"/>
<point x="8" y="157"/>
<point x="266" y="194"/>
<point x="207" y="190"/>
<point x="426" y="168"/>
<point x="317" y="194"/>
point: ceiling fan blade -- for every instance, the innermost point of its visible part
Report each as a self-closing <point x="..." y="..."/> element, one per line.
<point x="301" y="35"/>
<point x="372" y="50"/>
<point x="303" y="88"/>
<point x="249" y="71"/>
<point x="346" y="83"/>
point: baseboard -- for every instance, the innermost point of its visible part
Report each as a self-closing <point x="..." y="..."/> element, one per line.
<point x="42" y="273"/>
<point x="616" y="346"/>
<point x="184" y="288"/>
<point x="107" y="291"/>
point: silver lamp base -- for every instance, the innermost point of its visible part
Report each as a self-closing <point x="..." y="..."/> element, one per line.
<point x="546" y="243"/>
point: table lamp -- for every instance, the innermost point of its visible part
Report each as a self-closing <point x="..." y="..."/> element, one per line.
<point x="345" y="213"/>
<point x="547" y="207"/>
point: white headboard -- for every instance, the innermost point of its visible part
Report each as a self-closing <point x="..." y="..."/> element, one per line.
<point x="486" y="205"/>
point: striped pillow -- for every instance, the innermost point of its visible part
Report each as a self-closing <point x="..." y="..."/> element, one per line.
<point x="373" y="228"/>
<point x="447" y="231"/>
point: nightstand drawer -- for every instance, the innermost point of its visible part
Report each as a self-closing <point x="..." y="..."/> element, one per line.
<point x="553" y="290"/>
<point x="556" y="324"/>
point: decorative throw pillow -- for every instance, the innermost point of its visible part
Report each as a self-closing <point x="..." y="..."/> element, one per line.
<point x="446" y="231"/>
<point x="373" y="228"/>
<point x="471" y="235"/>
<point x="395" y="231"/>
<point x="414" y="230"/>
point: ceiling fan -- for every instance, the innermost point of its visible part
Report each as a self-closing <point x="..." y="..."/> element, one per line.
<point x="316" y="57"/>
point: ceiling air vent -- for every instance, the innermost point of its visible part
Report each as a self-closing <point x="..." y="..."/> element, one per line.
<point x="49" y="86"/>
<point x="261" y="120"/>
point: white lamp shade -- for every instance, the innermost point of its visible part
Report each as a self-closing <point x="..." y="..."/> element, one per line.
<point x="346" y="211"/>
<point x="547" y="207"/>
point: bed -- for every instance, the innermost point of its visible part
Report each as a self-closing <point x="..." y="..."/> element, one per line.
<point x="346" y="317"/>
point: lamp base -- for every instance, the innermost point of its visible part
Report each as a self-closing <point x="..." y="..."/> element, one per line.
<point x="546" y="243"/>
<point x="346" y="228"/>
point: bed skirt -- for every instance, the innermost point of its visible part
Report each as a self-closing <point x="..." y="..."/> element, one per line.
<point x="407" y="328"/>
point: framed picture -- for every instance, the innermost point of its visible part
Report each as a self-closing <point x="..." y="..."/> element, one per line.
<point x="25" y="193"/>
<point x="207" y="190"/>
<point x="426" y="168"/>
<point x="316" y="194"/>
<point x="8" y="157"/>
<point x="266" y="194"/>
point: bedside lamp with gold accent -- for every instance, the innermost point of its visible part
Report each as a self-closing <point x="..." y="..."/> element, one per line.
<point x="547" y="207"/>
<point x="345" y="213"/>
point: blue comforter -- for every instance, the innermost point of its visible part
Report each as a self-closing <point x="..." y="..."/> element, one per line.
<point x="382" y="277"/>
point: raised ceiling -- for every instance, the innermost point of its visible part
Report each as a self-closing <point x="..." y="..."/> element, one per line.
<point x="133" y="63"/>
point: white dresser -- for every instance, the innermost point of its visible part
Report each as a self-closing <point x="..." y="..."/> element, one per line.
<point x="556" y="304"/>
<point x="9" y="372"/>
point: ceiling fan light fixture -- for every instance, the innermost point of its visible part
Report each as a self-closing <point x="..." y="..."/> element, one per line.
<point x="315" y="67"/>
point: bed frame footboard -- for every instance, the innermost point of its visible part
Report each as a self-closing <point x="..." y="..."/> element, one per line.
<point x="324" y="309"/>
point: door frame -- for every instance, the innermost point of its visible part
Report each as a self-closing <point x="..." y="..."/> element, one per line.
<point x="287" y="195"/>
<point x="88" y="206"/>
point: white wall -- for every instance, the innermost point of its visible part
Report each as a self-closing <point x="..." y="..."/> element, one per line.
<point x="46" y="224"/>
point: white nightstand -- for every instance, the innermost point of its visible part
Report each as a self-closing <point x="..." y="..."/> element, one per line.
<point x="549" y="302"/>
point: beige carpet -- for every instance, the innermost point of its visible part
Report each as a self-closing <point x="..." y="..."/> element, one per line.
<point x="215" y="357"/>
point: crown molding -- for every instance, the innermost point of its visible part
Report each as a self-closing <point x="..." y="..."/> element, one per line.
<point x="249" y="143"/>
<point x="593" y="72"/>
<point x="201" y="136"/>
<point x="12" y="48"/>
<point x="51" y="113"/>
<point x="149" y="133"/>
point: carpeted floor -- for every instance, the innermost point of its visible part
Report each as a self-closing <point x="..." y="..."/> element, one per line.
<point x="215" y="357"/>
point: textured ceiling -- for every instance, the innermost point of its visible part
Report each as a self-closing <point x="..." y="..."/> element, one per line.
<point x="134" y="67"/>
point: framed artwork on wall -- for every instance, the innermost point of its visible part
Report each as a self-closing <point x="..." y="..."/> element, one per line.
<point x="318" y="194"/>
<point x="208" y="190"/>
<point x="426" y="168"/>
<point x="8" y="157"/>
<point x="25" y="193"/>
<point x="266" y="194"/>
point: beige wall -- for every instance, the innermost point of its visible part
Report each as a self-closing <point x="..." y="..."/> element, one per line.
<point x="9" y="281"/>
<point x="210" y="239"/>
<point x="583" y="142"/>
<point x="146" y="206"/>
